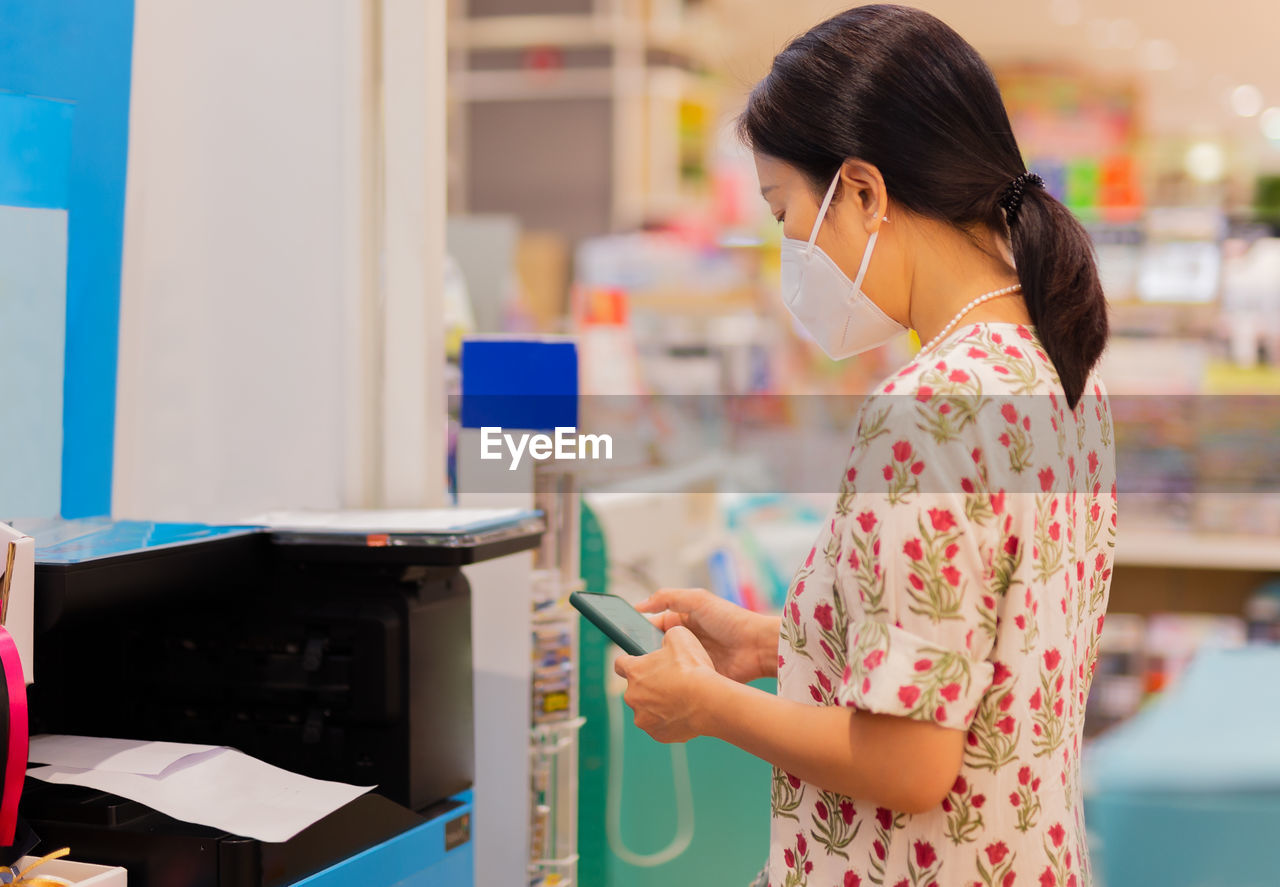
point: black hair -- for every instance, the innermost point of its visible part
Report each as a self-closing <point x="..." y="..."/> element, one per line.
<point x="899" y="89"/>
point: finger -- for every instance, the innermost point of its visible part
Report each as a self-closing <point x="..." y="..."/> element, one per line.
<point x="622" y="665"/>
<point x="679" y="600"/>
<point x="668" y="620"/>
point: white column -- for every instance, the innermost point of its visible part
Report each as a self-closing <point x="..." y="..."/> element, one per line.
<point x="413" y="113"/>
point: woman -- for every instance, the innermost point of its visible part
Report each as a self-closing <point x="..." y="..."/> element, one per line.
<point x="936" y="647"/>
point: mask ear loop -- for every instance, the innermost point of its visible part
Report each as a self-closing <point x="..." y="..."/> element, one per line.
<point x="822" y="213"/>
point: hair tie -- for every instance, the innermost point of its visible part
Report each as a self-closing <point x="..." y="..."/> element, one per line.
<point x="1011" y="199"/>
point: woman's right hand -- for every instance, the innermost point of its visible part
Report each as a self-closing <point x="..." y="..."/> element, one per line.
<point x="743" y="645"/>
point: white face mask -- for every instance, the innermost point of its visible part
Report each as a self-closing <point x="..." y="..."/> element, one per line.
<point x="832" y="308"/>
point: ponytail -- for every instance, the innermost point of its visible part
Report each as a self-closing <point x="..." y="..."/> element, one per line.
<point x="1059" y="276"/>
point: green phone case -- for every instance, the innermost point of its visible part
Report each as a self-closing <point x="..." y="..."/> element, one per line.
<point x="625" y="626"/>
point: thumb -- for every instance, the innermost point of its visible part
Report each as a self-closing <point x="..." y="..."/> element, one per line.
<point x="622" y="665"/>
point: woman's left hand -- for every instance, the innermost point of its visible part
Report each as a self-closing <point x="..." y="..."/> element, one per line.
<point x="666" y="688"/>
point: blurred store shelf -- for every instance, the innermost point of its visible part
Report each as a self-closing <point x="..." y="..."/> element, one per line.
<point x="1210" y="551"/>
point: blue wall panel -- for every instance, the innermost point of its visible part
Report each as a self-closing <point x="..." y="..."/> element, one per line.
<point x="81" y="51"/>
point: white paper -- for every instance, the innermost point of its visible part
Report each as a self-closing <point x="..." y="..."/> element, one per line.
<point x="405" y="520"/>
<point x="222" y="788"/>
<point x="137" y="756"/>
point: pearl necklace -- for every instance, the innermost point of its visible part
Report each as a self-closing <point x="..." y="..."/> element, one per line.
<point x="985" y="297"/>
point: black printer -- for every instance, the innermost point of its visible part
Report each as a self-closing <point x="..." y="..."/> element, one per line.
<point x="336" y="655"/>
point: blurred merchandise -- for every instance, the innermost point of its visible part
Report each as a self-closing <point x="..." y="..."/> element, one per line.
<point x="1188" y="792"/>
<point x="1262" y="613"/>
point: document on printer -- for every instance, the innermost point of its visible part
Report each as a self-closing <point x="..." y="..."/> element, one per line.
<point x="213" y="786"/>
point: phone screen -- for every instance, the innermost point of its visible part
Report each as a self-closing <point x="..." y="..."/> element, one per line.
<point x="623" y="618"/>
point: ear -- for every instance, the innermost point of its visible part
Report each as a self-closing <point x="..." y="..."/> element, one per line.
<point x="863" y="188"/>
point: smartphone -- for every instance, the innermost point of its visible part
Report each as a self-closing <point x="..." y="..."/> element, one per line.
<point x="624" y="625"/>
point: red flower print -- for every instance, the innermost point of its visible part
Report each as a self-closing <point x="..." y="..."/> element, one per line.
<point x="815" y="693"/>
<point x="1011" y="546"/>
<point x="1014" y="799"/>
<point x="941" y="519"/>
<point x="966" y="485"/>
<point x="1004" y="371"/>
<point x="972" y="738"/>
<point x="977" y="353"/>
<point x="1025" y="333"/>
<point x="867" y="520"/>
<point x="950" y="551"/>
<point x="846" y="812"/>
<point x="960" y="786"/>
<point x="1026" y="422"/>
<point x="847" y="675"/>
<point x="1006" y="701"/>
<point x="976" y="455"/>
<point x="925" y="854"/>
<point x="824" y="681"/>
<point x="808" y="866"/>
<point x="822" y="811"/>
<point x="852" y="880"/>
<point x="1010" y="414"/>
<point x="923" y="664"/>
<point x="1048" y="878"/>
<point x="879" y="850"/>
<point x="793" y="781"/>
<point x="951" y="692"/>
<point x="946" y="805"/>
<point x="1095" y="512"/>
<point x="924" y="394"/>
<point x="940" y="713"/>
<point x="781" y="661"/>
<point x="873" y="659"/>
<point x="1052" y="658"/>
<point x="902" y="883"/>
<point x="1057" y="707"/>
<point x="1055" y="530"/>
<point x="1002" y="673"/>
<point x="795" y="612"/>
<point x="885" y="818"/>
<point x="997" y="852"/>
<point x="902" y="451"/>
<point x="1071" y="879"/>
<point x="1046" y="479"/>
<point x="799" y="588"/>
<point x="940" y="366"/>
<point x="952" y="575"/>
<point x="789" y="858"/>
<point x="822" y="613"/>
<point x="1012" y="351"/>
<point x="826" y="648"/>
<point x="1035" y="784"/>
<point x="958" y="376"/>
<point x="851" y="475"/>
<point x="989" y="602"/>
<point x="997" y="502"/>
<point x="1020" y="621"/>
<point x="1006" y="725"/>
<point x="978" y="800"/>
<point x="913" y="549"/>
<point x="854" y="561"/>
<point x="801" y="844"/>
<point x="908" y="695"/>
<point x="1008" y="879"/>
<point x="1034" y="701"/>
<point x="916" y="582"/>
<point x="889" y="388"/>
<point x="1093" y="462"/>
<point x="888" y="472"/>
<point x="1005" y="439"/>
<point x="917" y="467"/>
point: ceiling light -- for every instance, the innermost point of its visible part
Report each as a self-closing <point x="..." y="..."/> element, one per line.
<point x="1205" y="162"/>
<point x="1246" y="100"/>
<point x="1159" y="55"/>
<point x="1271" y="124"/>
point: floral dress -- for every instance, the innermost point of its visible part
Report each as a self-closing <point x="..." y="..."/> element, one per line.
<point x="961" y="579"/>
